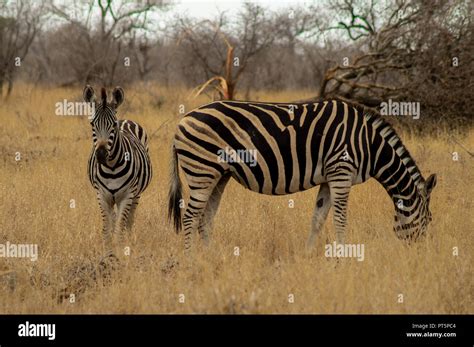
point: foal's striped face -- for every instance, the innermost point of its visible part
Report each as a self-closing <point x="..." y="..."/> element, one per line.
<point x="105" y="125"/>
<point x="104" y="130"/>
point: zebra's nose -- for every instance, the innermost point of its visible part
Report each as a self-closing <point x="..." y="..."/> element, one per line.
<point x="101" y="154"/>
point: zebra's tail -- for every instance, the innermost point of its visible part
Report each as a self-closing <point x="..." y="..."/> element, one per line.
<point x="175" y="194"/>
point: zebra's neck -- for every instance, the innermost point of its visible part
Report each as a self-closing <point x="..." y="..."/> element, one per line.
<point x="395" y="169"/>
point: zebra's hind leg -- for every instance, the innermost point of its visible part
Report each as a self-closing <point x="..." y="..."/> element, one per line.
<point x="108" y="219"/>
<point x="195" y="208"/>
<point x="205" y="225"/>
<point x="320" y="213"/>
<point x="339" y="192"/>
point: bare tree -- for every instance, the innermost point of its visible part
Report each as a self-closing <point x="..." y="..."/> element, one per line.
<point x="19" y="24"/>
<point x="402" y="50"/>
<point x="97" y="32"/>
<point x="361" y="78"/>
<point x="141" y="49"/>
<point x="224" y="51"/>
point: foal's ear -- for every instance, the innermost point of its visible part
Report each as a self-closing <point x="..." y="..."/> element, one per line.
<point x="88" y="94"/>
<point x="430" y="184"/>
<point x="118" y="96"/>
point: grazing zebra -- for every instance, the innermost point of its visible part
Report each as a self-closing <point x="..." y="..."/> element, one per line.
<point x="119" y="164"/>
<point x="278" y="149"/>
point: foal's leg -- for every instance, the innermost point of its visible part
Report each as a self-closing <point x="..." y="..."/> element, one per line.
<point x="108" y="219"/>
<point x="131" y="216"/>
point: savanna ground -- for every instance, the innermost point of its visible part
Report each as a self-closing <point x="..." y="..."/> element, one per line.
<point x="271" y="267"/>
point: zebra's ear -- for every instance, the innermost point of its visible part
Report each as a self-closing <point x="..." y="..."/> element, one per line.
<point x="430" y="183"/>
<point x="88" y="94"/>
<point x="118" y="96"/>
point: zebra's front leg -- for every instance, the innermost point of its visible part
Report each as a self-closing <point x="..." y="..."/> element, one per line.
<point x="131" y="215"/>
<point x="124" y="207"/>
<point x="339" y="192"/>
<point x="108" y="220"/>
<point x="320" y="213"/>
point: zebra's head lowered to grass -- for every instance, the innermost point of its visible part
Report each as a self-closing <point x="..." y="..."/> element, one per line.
<point x="105" y="125"/>
<point x="395" y="169"/>
<point x="412" y="221"/>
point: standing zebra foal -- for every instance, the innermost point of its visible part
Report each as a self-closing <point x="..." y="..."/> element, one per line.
<point x="119" y="164"/>
<point x="294" y="147"/>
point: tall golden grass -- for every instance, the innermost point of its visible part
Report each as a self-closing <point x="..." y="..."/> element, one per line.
<point x="272" y="266"/>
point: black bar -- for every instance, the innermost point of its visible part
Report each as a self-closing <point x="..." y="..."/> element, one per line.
<point x="315" y="329"/>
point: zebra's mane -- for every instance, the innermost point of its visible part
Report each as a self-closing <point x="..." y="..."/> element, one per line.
<point x="386" y="130"/>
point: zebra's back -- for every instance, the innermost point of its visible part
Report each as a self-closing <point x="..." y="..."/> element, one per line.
<point x="288" y="147"/>
<point x="134" y="129"/>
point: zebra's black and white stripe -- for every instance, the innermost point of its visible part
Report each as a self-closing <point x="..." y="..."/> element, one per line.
<point x="297" y="147"/>
<point x="119" y="164"/>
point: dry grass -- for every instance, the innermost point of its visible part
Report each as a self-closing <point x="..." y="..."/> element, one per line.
<point x="36" y="192"/>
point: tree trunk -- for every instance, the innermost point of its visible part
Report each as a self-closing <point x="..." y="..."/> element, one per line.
<point x="10" y="87"/>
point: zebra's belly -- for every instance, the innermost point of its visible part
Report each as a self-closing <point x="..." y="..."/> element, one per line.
<point x="256" y="181"/>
